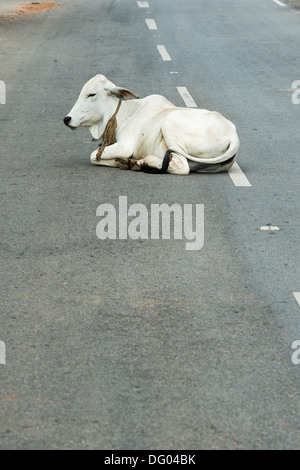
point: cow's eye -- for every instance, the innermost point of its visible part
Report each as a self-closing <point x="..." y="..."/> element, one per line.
<point x="91" y="94"/>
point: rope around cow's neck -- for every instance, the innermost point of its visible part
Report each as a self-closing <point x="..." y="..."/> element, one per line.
<point x="109" y="132"/>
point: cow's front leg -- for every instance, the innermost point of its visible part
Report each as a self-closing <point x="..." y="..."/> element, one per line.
<point x="112" y="152"/>
<point x="112" y="163"/>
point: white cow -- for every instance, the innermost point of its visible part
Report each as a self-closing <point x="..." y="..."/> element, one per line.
<point x="152" y="134"/>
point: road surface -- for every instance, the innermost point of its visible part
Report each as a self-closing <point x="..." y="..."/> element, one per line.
<point x="141" y="344"/>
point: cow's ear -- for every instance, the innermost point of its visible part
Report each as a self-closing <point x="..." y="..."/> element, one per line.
<point x="123" y="94"/>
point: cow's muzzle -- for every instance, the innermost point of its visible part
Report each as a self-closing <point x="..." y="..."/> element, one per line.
<point x="67" y="120"/>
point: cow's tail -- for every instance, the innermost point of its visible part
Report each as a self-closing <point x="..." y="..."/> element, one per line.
<point x="215" y="164"/>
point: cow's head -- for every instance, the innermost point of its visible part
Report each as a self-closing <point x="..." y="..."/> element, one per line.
<point x="96" y="104"/>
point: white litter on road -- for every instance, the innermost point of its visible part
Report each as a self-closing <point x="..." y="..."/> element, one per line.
<point x="269" y="228"/>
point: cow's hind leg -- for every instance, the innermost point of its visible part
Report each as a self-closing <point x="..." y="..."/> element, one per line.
<point x="171" y="163"/>
<point x="178" y="165"/>
<point x="152" y="164"/>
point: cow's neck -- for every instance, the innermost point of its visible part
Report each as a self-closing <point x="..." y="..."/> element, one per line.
<point x="109" y="133"/>
<point x="127" y="110"/>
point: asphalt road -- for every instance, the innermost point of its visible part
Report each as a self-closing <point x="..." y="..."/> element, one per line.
<point x="140" y="344"/>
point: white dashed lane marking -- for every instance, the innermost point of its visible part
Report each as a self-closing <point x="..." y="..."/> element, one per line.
<point x="238" y="177"/>
<point x="163" y="52"/>
<point x="187" y="98"/>
<point x="151" y="24"/>
<point x="279" y="3"/>
<point x="297" y="297"/>
<point x="143" y="4"/>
